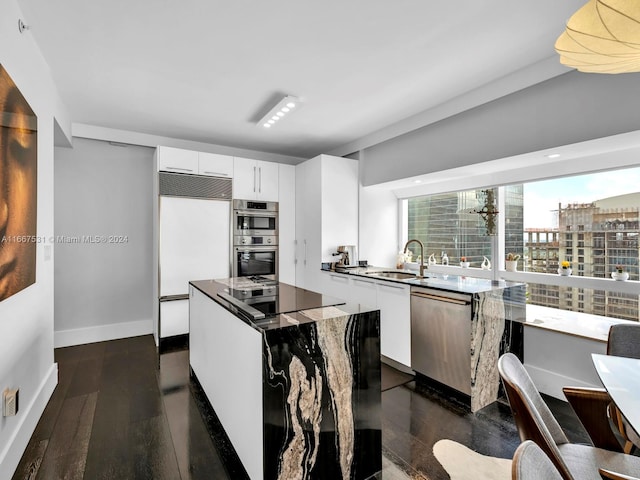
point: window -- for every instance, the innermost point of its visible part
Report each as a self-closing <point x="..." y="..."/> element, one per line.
<point x="445" y="224"/>
<point x="591" y="221"/>
<point x="599" y="212"/>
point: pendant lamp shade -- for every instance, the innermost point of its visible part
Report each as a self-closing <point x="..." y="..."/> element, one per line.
<point x="602" y="37"/>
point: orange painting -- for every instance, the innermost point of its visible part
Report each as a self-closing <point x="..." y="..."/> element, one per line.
<point x="18" y="189"/>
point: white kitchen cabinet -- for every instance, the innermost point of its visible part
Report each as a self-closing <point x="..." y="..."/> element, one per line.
<point x="336" y="285"/>
<point x="177" y="160"/>
<point x="215" y="165"/>
<point x="363" y="291"/>
<point x="394" y="302"/>
<point x="326" y="213"/>
<point x="255" y="179"/>
<point x="308" y="226"/>
<point x="174" y="318"/>
<point x="287" y="224"/>
<point x="391" y="298"/>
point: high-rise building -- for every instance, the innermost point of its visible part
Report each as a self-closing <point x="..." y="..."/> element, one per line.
<point x="595" y="238"/>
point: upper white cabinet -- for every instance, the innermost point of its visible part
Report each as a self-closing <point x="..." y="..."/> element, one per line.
<point x="326" y="214"/>
<point x="215" y="165"/>
<point x="177" y="160"/>
<point x="255" y="179"/>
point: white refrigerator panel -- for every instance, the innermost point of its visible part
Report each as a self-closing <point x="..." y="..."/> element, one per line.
<point x="194" y="242"/>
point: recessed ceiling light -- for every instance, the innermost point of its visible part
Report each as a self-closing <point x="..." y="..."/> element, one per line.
<point x="417" y="181"/>
<point x="279" y="111"/>
<point x="553" y="155"/>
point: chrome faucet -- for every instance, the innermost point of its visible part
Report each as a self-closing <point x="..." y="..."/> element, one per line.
<point x="421" y="275"/>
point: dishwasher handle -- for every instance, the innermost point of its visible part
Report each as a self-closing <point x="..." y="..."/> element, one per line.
<point x="440" y="298"/>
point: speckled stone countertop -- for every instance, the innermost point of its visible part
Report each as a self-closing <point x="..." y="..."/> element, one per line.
<point x="452" y="283"/>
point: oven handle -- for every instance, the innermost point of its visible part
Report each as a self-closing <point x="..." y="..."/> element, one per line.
<point x="256" y="213"/>
<point x="257" y="248"/>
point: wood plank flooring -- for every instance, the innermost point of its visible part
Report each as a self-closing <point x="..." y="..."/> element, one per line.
<point x="121" y="411"/>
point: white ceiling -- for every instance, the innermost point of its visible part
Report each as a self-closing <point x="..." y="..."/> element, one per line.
<point x="206" y="70"/>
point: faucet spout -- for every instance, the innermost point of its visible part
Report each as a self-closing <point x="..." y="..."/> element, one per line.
<point x="421" y="275"/>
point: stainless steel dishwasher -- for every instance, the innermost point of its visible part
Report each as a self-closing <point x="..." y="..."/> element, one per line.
<point x="441" y="336"/>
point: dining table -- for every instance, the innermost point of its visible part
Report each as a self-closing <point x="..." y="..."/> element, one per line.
<point x="620" y="376"/>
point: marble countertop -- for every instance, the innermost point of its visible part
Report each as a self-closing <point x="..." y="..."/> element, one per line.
<point x="452" y="283"/>
<point x="309" y="306"/>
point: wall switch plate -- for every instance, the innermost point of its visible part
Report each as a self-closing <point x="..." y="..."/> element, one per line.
<point x="47" y="252"/>
<point x="10" y="402"/>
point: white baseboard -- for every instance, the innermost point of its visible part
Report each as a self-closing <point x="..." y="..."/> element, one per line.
<point x="551" y="383"/>
<point x="101" y="333"/>
<point x="30" y="415"/>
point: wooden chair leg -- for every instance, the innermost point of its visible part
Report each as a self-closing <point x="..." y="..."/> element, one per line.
<point x="592" y="406"/>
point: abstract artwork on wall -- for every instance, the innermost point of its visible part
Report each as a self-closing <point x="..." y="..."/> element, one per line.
<point x="18" y="189"/>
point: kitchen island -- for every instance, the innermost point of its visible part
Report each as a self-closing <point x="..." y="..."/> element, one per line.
<point x="292" y="375"/>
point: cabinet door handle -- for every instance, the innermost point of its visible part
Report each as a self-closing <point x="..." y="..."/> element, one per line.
<point x="179" y="169"/>
<point x="217" y="174"/>
<point x="254" y="179"/>
<point x="395" y="287"/>
<point x="340" y="278"/>
<point x="363" y="281"/>
<point x="305" y="252"/>
<point x="259" y="179"/>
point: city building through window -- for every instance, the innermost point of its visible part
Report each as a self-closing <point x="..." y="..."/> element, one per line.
<point x="591" y="221"/>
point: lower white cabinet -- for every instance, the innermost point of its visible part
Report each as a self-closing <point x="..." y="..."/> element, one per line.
<point x="174" y="318"/>
<point x="394" y="302"/>
<point x="336" y="285"/>
<point x="391" y="298"/>
<point x="363" y="291"/>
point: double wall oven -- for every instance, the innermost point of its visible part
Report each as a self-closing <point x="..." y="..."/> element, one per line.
<point x="255" y="239"/>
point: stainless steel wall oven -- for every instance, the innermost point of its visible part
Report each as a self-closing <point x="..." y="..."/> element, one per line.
<point x="256" y="261"/>
<point x="255" y="239"/>
<point x="255" y="218"/>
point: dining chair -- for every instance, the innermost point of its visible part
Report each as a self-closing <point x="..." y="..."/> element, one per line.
<point x="624" y="341"/>
<point x="536" y="422"/>
<point x="531" y="463"/>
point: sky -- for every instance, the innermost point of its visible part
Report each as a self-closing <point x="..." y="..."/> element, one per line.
<point x="540" y="198"/>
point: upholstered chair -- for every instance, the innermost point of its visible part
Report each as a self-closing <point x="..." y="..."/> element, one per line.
<point x="624" y="341"/>
<point x="531" y="463"/>
<point x="536" y="422"/>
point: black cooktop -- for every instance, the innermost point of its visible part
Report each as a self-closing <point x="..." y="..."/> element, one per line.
<point x="273" y="298"/>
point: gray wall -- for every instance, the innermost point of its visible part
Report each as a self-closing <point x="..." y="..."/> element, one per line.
<point x="101" y="189"/>
<point x="566" y="109"/>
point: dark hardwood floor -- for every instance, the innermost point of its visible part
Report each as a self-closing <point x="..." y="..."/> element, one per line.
<point x="121" y="411"/>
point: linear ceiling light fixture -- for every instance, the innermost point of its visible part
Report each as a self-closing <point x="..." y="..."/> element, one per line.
<point x="282" y="109"/>
<point x="602" y="37"/>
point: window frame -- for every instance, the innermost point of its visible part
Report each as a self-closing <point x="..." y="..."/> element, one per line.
<point x="498" y="253"/>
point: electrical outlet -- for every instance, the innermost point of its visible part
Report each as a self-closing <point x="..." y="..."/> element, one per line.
<point x="10" y="402"/>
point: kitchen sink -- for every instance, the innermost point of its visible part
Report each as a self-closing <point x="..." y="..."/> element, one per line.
<point x="395" y="275"/>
